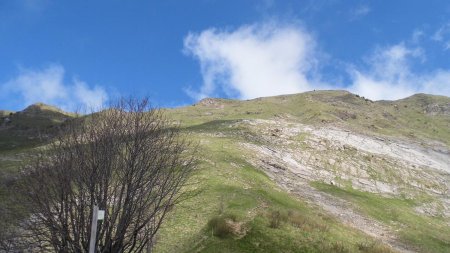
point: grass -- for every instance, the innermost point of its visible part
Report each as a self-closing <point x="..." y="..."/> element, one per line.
<point x="28" y="129"/>
<point x="5" y="113"/>
<point x="430" y="234"/>
<point x="401" y="118"/>
<point x="233" y="192"/>
<point x="222" y="225"/>
<point x="239" y="209"/>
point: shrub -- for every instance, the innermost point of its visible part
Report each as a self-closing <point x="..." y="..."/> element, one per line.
<point x="275" y="219"/>
<point x="220" y="226"/>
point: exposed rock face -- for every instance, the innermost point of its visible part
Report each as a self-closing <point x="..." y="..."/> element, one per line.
<point x="382" y="165"/>
<point x="294" y="155"/>
<point x="438" y="109"/>
<point x="211" y="102"/>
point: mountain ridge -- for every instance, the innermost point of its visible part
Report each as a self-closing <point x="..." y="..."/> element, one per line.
<point x="44" y="106"/>
<point x="343" y="173"/>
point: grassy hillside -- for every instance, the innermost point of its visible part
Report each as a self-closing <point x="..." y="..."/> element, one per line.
<point x="419" y="117"/>
<point x="261" y="217"/>
<point x="430" y="234"/>
<point x="243" y="206"/>
<point x="30" y="127"/>
<point x="20" y="134"/>
<point x="5" y="113"/>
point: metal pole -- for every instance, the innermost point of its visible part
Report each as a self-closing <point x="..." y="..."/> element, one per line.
<point x="93" y="239"/>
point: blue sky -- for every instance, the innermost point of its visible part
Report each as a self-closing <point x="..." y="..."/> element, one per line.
<point x="82" y="53"/>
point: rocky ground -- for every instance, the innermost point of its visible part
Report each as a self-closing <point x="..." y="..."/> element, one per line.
<point x="294" y="155"/>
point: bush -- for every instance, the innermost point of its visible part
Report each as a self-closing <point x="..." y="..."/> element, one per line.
<point x="221" y="225"/>
<point x="275" y="219"/>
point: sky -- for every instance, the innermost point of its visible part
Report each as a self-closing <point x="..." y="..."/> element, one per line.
<point x="78" y="54"/>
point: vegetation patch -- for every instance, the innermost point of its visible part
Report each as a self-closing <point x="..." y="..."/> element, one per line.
<point x="427" y="233"/>
<point x="242" y="210"/>
<point x="226" y="225"/>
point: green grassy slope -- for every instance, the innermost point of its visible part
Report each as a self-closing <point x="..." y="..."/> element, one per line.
<point x="412" y="117"/>
<point x="5" y="113"/>
<point x="234" y="191"/>
<point x="419" y="118"/>
<point x="20" y="134"/>
<point x="238" y="208"/>
<point x="430" y="234"/>
<point x="30" y="127"/>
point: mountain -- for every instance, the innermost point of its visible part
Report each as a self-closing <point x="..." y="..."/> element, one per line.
<point x="5" y="113"/>
<point x="417" y="115"/>
<point x="321" y="171"/>
<point x="31" y="126"/>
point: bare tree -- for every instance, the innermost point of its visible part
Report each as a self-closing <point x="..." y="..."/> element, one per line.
<point x="129" y="160"/>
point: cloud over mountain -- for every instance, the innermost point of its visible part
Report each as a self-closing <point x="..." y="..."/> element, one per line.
<point x="389" y="75"/>
<point x="253" y="60"/>
<point x="48" y="86"/>
<point x="269" y="59"/>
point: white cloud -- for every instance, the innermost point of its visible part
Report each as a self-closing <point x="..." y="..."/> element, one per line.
<point x="89" y="97"/>
<point x="271" y="59"/>
<point x="443" y="35"/>
<point x="48" y="86"/>
<point x="253" y="61"/>
<point x="389" y="76"/>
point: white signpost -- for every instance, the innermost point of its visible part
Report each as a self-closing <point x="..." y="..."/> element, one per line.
<point x="96" y="216"/>
<point x="101" y="215"/>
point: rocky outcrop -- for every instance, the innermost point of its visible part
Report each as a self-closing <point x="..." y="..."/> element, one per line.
<point x="438" y="109"/>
